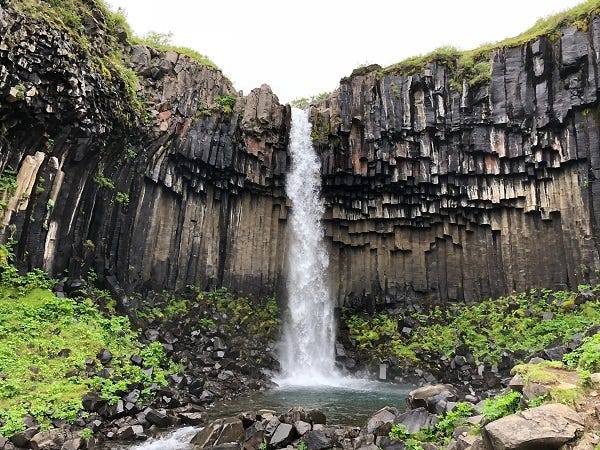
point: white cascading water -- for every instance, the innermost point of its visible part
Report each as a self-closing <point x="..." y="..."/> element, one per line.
<point x="307" y="347"/>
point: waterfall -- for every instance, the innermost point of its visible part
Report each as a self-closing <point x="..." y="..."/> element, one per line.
<point x="308" y="342"/>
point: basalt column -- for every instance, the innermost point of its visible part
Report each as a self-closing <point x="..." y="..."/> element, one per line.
<point x="440" y="193"/>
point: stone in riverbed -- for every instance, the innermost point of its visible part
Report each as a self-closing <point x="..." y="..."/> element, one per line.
<point x="158" y="417"/>
<point x="192" y="418"/>
<point x="381" y="422"/>
<point x="221" y="431"/>
<point x="130" y="432"/>
<point x="283" y="435"/>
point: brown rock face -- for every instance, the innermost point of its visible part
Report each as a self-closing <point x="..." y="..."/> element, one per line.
<point x="434" y="194"/>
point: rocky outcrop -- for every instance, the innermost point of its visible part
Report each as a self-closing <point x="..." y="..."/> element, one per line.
<point x="439" y="194"/>
<point x="151" y="170"/>
<point x="548" y="426"/>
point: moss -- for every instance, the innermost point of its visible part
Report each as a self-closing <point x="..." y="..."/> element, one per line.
<point x="537" y="373"/>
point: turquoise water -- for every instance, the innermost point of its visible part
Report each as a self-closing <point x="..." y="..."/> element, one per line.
<point x="349" y="403"/>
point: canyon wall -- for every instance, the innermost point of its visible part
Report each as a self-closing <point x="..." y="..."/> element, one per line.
<point x="150" y="170"/>
<point x="437" y="193"/>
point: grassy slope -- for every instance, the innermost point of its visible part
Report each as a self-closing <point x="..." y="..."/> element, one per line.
<point x="528" y="321"/>
<point x="45" y="342"/>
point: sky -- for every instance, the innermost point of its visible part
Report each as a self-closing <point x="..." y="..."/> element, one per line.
<point x="303" y="48"/>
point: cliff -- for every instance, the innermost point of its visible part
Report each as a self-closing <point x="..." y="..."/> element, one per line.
<point x="440" y="187"/>
<point x="454" y="177"/>
<point x="144" y="165"/>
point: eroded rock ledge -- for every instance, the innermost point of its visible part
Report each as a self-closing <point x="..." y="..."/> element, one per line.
<point x="434" y="194"/>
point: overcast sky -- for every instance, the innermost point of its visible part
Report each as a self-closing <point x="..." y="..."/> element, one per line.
<point x="303" y="48"/>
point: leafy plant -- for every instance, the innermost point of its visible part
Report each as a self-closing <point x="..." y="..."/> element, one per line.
<point x="122" y="198"/>
<point x="399" y="432"/>
<point x="226" y="103"/>
<point x="453" y="419"/>
<point x="103" y="182"/>
<point x="587" y="356"/>
<point x="502" y="405"/>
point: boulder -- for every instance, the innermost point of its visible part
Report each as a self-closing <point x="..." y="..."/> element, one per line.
<point x="48" y="440"/>
<point x="283" y="435"/>
<point x="131" y="432"/>
<point x="22" y="438"/>
<point x="315" y="416"/>
<point x="158" y="417"/>
<point x="192" y="418"/>
<point x="301" y="427"/>
<point x="318" y="440"/>
<point x="219" y="432"/>
<point x="547" y="426"/>
<point x="428" y="396"/>
<point x="381" y="422"/>
<point x="416" y="419"/>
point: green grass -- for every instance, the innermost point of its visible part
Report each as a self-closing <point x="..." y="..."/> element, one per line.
<point x="474" y="65"/>
<point x="44" y="344"/>
<point x="163" y="43"/>
<point x="488" y="328"/>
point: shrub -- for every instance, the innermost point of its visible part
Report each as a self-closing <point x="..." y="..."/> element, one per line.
<point x="226" y="103"/>
<point x="502" y="405"/>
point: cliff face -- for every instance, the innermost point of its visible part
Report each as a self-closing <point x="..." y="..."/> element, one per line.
<point x="155" y="173"/>
<point x="172" y="180"/>
<point x="436" y="193"/>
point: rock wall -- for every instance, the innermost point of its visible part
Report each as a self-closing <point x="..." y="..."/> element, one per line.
<point x="438" y="194"/>
<point x="157" y="174"/>
<point x="183" y="186"/>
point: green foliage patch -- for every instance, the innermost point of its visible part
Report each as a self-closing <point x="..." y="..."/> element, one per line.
<point x="45" y="342"/>
<point x="474" y="66"/>
<point x="163" y="42"/>
<point x="502" y="405"/>
<point x="226" y="103"/>
<point x="528" y="321"/>
<point x="440" y="433"/>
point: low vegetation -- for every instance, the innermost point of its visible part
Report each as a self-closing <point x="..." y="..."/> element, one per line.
<point x="49" y="350"/>
<point x="527" y="322"/>
<point x="474" y="66"/>
<point x="164" y="43"/>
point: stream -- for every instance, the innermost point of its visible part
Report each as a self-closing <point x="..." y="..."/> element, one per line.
<point x="349" y="404"/>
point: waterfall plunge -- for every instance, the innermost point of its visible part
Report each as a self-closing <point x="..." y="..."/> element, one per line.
<point x="307" y="347"/>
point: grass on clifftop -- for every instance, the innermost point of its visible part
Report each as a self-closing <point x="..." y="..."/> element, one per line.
<point x="528" y="322"/>
<point x="474" y="66"/>
<point x="163" y="43"/>
<point x="48" y="344"/>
